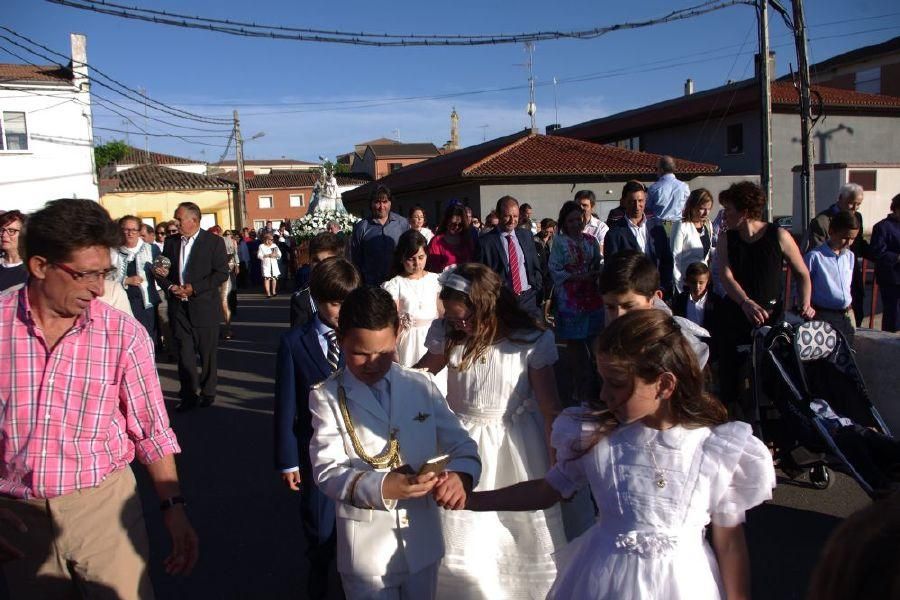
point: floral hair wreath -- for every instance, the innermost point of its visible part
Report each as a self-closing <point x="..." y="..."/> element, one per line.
<point x="453" y="280"/>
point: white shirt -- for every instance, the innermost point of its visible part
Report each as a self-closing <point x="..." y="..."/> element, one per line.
<point x="596" y="228"/>
<point x="523" y="275"/>
<point x="639" y="231"/>
<point x="187" y="244"/>
<point x="696" y="310"/>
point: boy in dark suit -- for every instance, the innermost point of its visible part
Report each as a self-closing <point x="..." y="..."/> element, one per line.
<point x="324" y="245"/>
<point x="308" y="355"/>
<point x="697" y="303"/>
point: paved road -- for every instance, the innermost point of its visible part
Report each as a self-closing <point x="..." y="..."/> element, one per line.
<point x="250" y="537"/>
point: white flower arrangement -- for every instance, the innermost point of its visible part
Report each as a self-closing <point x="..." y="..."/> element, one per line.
<point x="317" y="222"/>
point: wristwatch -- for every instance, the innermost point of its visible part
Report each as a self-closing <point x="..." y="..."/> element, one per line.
<point x="170" y="502"/>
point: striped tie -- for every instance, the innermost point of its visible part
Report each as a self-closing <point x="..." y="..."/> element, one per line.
<point x="334" y="352"/>
<point x="514" y="272"/>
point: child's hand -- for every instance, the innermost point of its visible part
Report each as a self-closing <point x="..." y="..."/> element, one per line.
<point x="452" y="489"/>
<point x="398" y="486"/>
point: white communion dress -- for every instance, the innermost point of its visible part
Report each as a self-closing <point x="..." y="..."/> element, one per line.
<point x="269" y="256"/>
<point x="656" y="492"/>
<point x="500" y="555"/>
<point x="417" y="303"/>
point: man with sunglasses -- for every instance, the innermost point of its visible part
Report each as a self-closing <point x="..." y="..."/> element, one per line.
<point x="81" y="400"/>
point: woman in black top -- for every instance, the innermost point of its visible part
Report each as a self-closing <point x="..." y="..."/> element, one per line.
<point x="12" y="269"/>
<point x="750" y="263"/>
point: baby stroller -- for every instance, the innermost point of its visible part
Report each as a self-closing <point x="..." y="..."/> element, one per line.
<point x="807" y="374"/>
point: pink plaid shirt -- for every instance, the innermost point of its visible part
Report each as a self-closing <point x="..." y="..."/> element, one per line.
<point x="71" y="417"/>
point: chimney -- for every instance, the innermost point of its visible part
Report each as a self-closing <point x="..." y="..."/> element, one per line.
<point x="688" y="87"/>
<point x="756" y="64"/>
<point x="78" y="43"/>
<point x="549" y="129"/>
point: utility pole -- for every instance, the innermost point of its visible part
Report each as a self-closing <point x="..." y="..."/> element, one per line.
<point x="765" y="108"/>
<point x="241" y="217"/>
<point x="143" y="92"/>
<point x="807" y="181"/>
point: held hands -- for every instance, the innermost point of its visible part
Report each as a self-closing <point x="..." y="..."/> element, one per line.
<point x="452" y="490"/>
<point x="400" y="486"/>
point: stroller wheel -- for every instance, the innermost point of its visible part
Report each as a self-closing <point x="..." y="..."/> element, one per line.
<point x="820" y="477"/>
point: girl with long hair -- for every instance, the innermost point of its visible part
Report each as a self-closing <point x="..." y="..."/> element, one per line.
<point x="662" y="464"/>
<point x="501" y="385"/>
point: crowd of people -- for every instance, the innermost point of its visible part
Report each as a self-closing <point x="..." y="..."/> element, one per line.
<point x="417" y="410"/>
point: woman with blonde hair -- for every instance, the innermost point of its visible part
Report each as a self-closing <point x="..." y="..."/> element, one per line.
<point x="501" y="385"/>
<point x="691" y="238"/>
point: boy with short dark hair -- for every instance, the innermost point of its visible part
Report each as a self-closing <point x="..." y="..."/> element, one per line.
<point x="306" y="356"/>
<point x="323" y="245"/>
<point x="376" y="424"/>
<point x="630" y="281"/>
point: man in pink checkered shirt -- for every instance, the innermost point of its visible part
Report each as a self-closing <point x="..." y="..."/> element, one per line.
<point x="79" y="400"/>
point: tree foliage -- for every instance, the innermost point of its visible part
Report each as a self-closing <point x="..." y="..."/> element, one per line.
<point x="109" y="153"/>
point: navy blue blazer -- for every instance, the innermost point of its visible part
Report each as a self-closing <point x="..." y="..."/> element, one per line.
<point x="300" y="365"/>
<point x="884" y="247"/>
<point x="619" y="237"/>
<point x="492" y="254"/>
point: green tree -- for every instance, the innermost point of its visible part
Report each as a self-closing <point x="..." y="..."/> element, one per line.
<point x="109" y="153"/>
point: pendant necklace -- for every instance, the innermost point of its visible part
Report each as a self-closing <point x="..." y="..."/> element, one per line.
<point x="660" y="474"/>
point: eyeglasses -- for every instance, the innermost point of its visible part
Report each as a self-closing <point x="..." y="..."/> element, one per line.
<point x="9" y="231"/>
<point x="129" y="230"/>
<point x="173" y="232"/>
<point x="160" y="232"/>
<point x="86" y="276"/>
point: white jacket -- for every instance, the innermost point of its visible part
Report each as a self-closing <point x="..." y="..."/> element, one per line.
<point x="686" y="249"/>
<point x="376" y="536"/>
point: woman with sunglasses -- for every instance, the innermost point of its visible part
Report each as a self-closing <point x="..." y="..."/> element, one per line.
<point x="12" y="269"/>
<point x="501" y="385"/>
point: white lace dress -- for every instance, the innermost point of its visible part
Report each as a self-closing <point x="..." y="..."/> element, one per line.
<point x="417" y="302"/>
<point x="649" y="543"/>
<point x="500" y="555"/>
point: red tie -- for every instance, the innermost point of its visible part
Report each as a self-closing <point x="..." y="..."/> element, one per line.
<point x="514" y="272"/>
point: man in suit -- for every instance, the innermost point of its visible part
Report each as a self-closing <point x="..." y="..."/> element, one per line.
<point x="510" y="251"/>
<point x="307" y="355"/>
<point x="638" y="231"/>
<point x="199" y="265"/>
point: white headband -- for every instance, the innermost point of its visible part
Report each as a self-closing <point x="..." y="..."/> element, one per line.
<point x="450" y="279"/>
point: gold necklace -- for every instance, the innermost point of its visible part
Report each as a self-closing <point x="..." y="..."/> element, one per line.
<point x="389" y="459"/>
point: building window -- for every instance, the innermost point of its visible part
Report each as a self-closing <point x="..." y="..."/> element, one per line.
<point x="296" y="200"/>
<point x="207" y="220"/>
<point x="868" y="81"/>
<point x="259" y="224"/>
<point x="149" y="221"/>
<point x="266" y="202"/>
<point x="13" y="131"/>
<point x="734" y="139"/>
<point x="632" y="143"/>
<point x="867" y="179"/>
<point x="394" y="166"/>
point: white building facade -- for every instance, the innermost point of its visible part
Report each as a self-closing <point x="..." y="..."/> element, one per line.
<point x="46" y="141"/>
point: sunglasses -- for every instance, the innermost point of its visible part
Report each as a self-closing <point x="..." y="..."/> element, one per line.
<point x="173" y="231"/>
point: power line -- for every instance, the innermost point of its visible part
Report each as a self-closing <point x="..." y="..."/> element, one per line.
<point x="245" y="29"/>
<point x="159" y="135"/>
<point x="143" y="97"/>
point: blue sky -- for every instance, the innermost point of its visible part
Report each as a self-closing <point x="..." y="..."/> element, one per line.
<point x="267" y="80"/>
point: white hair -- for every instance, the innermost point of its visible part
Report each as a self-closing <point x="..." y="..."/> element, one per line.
<point x="850" y="190"/>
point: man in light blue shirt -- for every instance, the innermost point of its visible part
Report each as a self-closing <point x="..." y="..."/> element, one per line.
<point x="666" y="197"/>
<point x="831" y="270"/>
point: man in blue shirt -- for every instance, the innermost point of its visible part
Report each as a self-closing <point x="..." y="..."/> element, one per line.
<point x="831" y="269"/>
<point x="374" y="238"/>
<point x="666" y="197"/>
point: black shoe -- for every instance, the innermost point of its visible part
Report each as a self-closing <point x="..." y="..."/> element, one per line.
<point x="185" y="406"/>
<point x="206" y="401"/>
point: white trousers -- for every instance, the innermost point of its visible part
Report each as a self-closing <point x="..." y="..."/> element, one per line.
<point x="420" y="585"/>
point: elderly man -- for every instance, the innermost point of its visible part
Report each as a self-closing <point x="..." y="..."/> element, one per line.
<point x="199" y="266"/>
<point x="510" y="251"/>
<point x="666" y="197"/>
<point x="374" y="238"/>
<point x="81" y="400"/>
<point x="850" y="198"/>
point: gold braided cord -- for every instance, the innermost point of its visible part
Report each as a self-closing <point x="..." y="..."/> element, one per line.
<point x="389" y="459"/>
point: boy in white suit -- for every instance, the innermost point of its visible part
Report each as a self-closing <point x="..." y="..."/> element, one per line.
<point x="376" y="423"/>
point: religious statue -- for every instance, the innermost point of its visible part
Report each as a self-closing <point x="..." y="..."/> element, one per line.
<point x="326" y="196"/>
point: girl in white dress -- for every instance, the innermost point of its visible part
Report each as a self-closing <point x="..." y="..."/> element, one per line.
<point x="501" y="384"/>
<point x="269" y="255"/>
<point x="415" y="291"/>
<point x="662" y="464"/>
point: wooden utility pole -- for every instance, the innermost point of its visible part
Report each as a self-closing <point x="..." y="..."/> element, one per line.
<point x="241" y="216"/>
<point x="807" y="180"/>
<point x="765" y="108"/>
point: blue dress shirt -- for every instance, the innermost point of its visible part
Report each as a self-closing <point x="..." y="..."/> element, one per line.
<point x="666" y="198"/>
<point x="372" y="246"/>
<point x="831" y="275"/>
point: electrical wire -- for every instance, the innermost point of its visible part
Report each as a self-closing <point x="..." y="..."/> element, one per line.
<point x="156" y="135"/>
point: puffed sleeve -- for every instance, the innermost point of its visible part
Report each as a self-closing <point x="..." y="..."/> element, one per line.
<point x="746" y="475"/>
<point x="435" y="339"/>
<point x="392" y="287"/>
<point x="571" y="433"/>
<point x="544" y="353"/>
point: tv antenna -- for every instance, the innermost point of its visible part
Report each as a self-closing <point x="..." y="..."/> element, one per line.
<point x="484" y="129"/>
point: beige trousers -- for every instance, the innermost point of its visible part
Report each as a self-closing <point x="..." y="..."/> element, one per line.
<point x="89" y="544"/>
